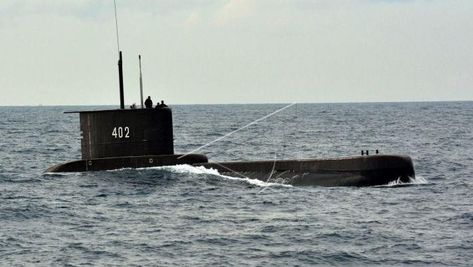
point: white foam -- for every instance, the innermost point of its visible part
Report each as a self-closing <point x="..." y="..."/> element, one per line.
<point x="420" y="180"/>
<point x="202" y="170"/>
<point x="412" y="181"/>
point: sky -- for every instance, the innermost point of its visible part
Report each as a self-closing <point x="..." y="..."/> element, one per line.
<point x="64" y="52"/>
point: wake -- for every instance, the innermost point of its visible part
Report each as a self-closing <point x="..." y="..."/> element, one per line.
<point x="188" y="169"/>
<point x="418" y="180"/>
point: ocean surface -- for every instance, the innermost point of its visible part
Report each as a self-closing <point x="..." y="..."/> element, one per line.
<point x="187" y="216"/>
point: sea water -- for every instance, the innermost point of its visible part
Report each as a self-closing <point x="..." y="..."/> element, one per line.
<point x="188" y="216"/>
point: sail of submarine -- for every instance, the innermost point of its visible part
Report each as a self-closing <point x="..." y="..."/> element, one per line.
<point x="143" y="137"/>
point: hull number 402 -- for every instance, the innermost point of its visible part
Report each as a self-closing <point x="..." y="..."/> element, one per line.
<point x="121" y="132"/>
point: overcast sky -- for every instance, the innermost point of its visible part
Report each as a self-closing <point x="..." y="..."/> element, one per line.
<point x="58" y="52"/>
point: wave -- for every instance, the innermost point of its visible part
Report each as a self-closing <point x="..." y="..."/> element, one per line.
<point x="418" y="180"/>
<point x="189" y="169"/>
<point x="59" y="173"/>
<point x="180" y="169"/>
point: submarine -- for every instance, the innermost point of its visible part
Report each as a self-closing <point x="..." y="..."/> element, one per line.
<point x="143" y="137"/>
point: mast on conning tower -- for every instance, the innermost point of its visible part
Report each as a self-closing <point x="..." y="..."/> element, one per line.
<point x="120" y="80"/>
<point x="141" y="83"/>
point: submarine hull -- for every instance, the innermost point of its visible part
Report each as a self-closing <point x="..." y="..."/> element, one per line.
<point x="352" y="171"/>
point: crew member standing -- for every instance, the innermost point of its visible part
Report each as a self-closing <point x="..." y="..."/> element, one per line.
<point x="149" y="102"/>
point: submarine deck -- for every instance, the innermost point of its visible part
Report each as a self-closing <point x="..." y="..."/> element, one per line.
<point x="348" y="171"/>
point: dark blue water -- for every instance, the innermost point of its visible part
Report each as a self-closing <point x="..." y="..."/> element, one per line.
<point x="194" y="217"/>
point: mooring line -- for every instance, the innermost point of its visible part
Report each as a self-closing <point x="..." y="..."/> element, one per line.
<point x="271" y="173"/>
<point x="237" y="130"/>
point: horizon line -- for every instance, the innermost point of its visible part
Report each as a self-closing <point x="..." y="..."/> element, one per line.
<point x="252" y="103"/>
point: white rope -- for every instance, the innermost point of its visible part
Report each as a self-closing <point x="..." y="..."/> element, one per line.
<point x="237" y="130"/>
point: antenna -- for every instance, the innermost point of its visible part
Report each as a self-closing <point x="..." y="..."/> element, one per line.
<point x="116" y="26"/>
<point x="141" y="82"/>
<point x="120" y="62"/>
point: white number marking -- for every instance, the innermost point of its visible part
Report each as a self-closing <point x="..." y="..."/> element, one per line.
<point x="121" y="132"/>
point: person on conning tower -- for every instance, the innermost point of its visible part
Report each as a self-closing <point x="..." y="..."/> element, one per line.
<point x="161" y="105"/>
<point x="149" y="102"/>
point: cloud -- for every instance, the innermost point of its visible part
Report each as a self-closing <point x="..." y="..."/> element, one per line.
<point x="213" y="51"/>
<point x="81" y="8"/>
<point x="234" y="10"/>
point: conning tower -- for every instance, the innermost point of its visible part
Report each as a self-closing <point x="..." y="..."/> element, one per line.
<point x="126" y="132"/>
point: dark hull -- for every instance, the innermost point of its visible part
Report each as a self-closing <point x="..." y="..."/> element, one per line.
<point x="354" y="171"/>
